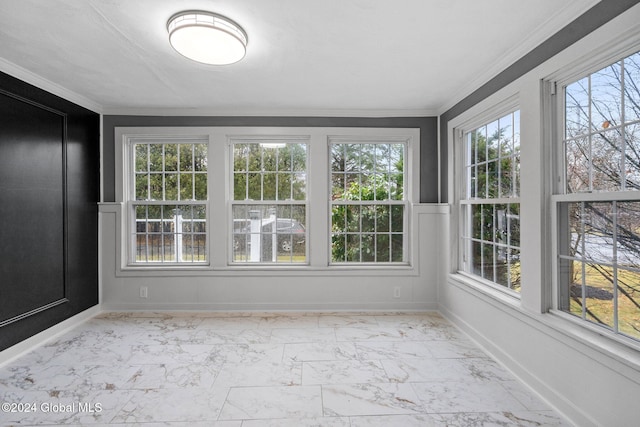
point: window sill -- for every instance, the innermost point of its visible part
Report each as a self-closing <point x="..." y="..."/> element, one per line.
<point x="267" y="270"/>
<point x="495" y="292"/>
<point x="624" y="350"/>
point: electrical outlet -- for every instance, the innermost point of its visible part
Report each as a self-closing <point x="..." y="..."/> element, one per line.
<point x="144" y="292"/>
<point x="396" y="292"/>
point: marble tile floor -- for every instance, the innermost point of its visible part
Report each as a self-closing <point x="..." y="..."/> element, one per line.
<point x="265" y="369"/>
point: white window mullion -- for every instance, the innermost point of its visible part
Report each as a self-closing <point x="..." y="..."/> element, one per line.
<point x="623" y="134"/>
<point x="583" y="283"/>
<point x="590" y="133"/>
<point x="615" y="264"/>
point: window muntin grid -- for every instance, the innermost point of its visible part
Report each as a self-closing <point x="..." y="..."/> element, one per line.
<point x="490" y="206"/>
<point x="598" y="208"/>
<point x="492" y="159"/>
<point x="170" y="233"/>
<point x="599" y="263"/>
<point x="368" y="205"/>
<point x="269" y="205"/>
<point x="169" y="210"/>
<point x="258" y="228"/>
<point x="170" y="171"/>
<point x="269" y="170"/>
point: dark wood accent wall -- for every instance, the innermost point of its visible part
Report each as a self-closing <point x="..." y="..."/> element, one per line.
<point x="49" y="190"/>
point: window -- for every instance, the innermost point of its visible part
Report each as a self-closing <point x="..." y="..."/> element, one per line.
<point x="490" y="204"/>
<point x="169" y="208"/>
<point x="269" y="201"/>
<point x="598" y="203"/>
<point x="368" y="204"/>
<point x="281" y="199"/>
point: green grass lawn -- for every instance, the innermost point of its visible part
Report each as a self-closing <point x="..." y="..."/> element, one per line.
<point x="599" y="300"/>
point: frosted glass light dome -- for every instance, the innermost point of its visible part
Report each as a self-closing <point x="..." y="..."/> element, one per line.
<point x="207" y="37"/>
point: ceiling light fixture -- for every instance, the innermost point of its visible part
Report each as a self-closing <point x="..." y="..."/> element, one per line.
<point x="207" y="37"/>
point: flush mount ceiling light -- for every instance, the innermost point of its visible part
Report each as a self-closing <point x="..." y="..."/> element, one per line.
<point x="207" y="37"/>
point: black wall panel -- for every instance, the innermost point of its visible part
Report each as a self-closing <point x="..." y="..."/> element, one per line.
<point x="31" y="207"/>
<point x="49" y="189"/>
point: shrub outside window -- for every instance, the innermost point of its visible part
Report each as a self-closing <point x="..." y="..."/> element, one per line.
<point x="368" y="205"/>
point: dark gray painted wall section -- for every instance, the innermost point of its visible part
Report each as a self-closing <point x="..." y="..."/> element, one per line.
<point x="427" y="126"/>
<point x="592" y="19"/>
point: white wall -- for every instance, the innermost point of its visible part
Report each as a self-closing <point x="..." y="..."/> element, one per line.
<point x="591" y="386"/>
<point x="266" y="289"/>
<point x="592" y="378"/>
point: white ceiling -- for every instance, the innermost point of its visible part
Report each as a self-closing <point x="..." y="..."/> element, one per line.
<point x="305" y="57"/>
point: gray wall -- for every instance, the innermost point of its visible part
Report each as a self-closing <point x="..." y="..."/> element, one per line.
<point x="427" y="126"/>
<point x="592" y="19"/>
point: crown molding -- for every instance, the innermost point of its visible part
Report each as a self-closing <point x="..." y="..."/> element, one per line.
<point x="275" y="112"/>
<point x="47" y="85"/>
<point x="542" y="33"/>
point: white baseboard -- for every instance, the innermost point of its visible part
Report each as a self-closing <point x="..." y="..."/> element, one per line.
<point x="524" y="375"/>
<point x="31" y="343"/>
<point x="260" y="307"/>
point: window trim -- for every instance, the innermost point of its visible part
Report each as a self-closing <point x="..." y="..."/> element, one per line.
<point x="218" y="208"/>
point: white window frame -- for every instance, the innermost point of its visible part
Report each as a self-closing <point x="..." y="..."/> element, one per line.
<point x="219" y="195"/>
<point x="403" y="202"/>
<point x="266" y="139"/>
<point x="555" y="100"/>
<point x="460" y="253"/>
<point x="131" y="202"/>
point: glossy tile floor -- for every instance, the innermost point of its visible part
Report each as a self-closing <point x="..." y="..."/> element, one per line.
<point x="257" y="369"/>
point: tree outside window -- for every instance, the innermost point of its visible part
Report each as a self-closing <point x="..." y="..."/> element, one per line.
<point x="269" y="201"/>
<point x="490" y="206"/>
<point x="169" y="210"/>
<point x="368" y="206"/>
<point x="599" y="244"/>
